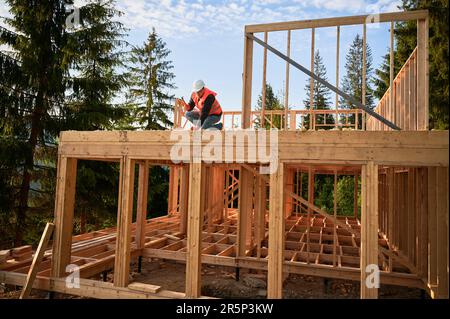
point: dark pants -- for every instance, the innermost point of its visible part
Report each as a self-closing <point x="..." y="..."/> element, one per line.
<point x="212" y="121"/>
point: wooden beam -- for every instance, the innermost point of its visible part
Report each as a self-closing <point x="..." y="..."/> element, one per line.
<point x="338" y="21"/>
<point x="286" y="89"/>
<point x="335" y="217"/>
<point x="432" y="230"/>
<point x="369" y="226"/>
<point x="245" y="211"/>
<point x="312" y="117"/>
<point x="64" y="208"/>
<point x="124" y="219"/>
<point x="141" y="207"/>
<point x="391" y="75"/>
<point x="260" y="211"/>
<point x="355" y="195"/>
<point x="363" y="93"/>
<point x="338" y="35"/>
<point x="247" y="83"/>
<point x="415" y="148"/>
<point x="422" y="74"/>
<point x="38" y="255"/>
<point x="263" y="101"/>
<point x="442" y="233"/>
<point x="310" y="201"/>
<point x="194" y="229"/>
<point x="88" y="288"/>
<point x="184" y="198"/>
<point x="276" y="235"/>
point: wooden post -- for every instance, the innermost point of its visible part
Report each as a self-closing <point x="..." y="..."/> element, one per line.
<point x="438" y="232"/>
<point x="422" y="75"/>
<point x="311" y="201"/>
<point x="432" y="229"/>
<point x="355" y="196"/>
<point x="247" y="81"/>
<point x="286" y="90"/>
<point x="369" y="226"/>
<point x="260" y="211"/>
<point x="276" y="235"/>
<point x="195" y="219"/>
<point x="292" y="120"/>
<point x="173" y="189"/>
<point x="245" y="211"/>
<point x="391" y="208"/>
<point x="38" y="255"/>
<point x="363" y="92"/>
<point x="64" y="208"/>
<point x="289" y="202"/>
<point x="184" y="194"/>
<point x="263" y="101"/>
<point x="337" y="73"/>
<point x="335" y="217"/>
<point x="442" y="232"/>
<point x="311" y="94"/>
<point x="391" y="78"/>
<point x="124" y="219"/>
<point x="141" y="207"/>
<point x="218" y="180"/>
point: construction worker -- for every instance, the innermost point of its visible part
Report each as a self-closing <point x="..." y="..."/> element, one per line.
<point x="208" y="111"/>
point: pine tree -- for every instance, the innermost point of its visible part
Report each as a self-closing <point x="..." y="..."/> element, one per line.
<point x="152" y="80"/>
<point x="321" y="95"/>
<point x="96" y="83"/>
<point x="352" y="81"/>
<point x="33" y="75"/>
<point x="272" y="103"/>
<point x="406" y="40"/>
<point x="95" y="80"/>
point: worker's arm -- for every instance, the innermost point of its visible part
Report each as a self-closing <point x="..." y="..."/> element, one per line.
<point x="207" y="107"/>
<point x="190" y="105"/>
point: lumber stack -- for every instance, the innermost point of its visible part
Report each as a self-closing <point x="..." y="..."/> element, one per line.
<point x="22" y="253"/>
<point x="4" y="256"/>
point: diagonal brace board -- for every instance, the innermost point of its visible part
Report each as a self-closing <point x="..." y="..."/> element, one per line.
<point x="349" y="98"/>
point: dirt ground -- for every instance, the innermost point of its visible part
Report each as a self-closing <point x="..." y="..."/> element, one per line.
<point x="220" y="282"/>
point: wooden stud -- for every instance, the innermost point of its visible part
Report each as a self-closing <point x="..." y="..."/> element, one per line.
<point x="391" y="76"/>
<point x="335" y="217"/>
<point x="263" y="101"/>
<point x="422" y="74"/>
<point x="141" y="207"/>
<point x="311" y="201"/>
<point x="369" y="225"/>
<point x="195" y="218"/>
<point x="64" y="208"/>
<point x="245" y="211"/>
<point x="311" y="86"/>
<point x="363" y="92"/>
<point x="432" y="228"/>
<point x="260" y="211"/>
<point x="184" y="195"/>
<point x="338" y="35"/>
<point x="38" y="255"/>
<point x="276" y="235"/>
<point x="286" y="89"/>
<point x="355" y="195"/>
<point x="442" y="232"/>
<point x="247" y="80"/>
<point x="124" y="219"/>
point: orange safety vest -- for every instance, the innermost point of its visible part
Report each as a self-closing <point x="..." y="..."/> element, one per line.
<point x="199" y="102"/>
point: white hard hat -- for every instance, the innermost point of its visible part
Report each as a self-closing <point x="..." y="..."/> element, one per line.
<point x="198" y="85"/>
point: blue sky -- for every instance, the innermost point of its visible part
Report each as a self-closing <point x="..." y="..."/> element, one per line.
<point x="206" y="39"/>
